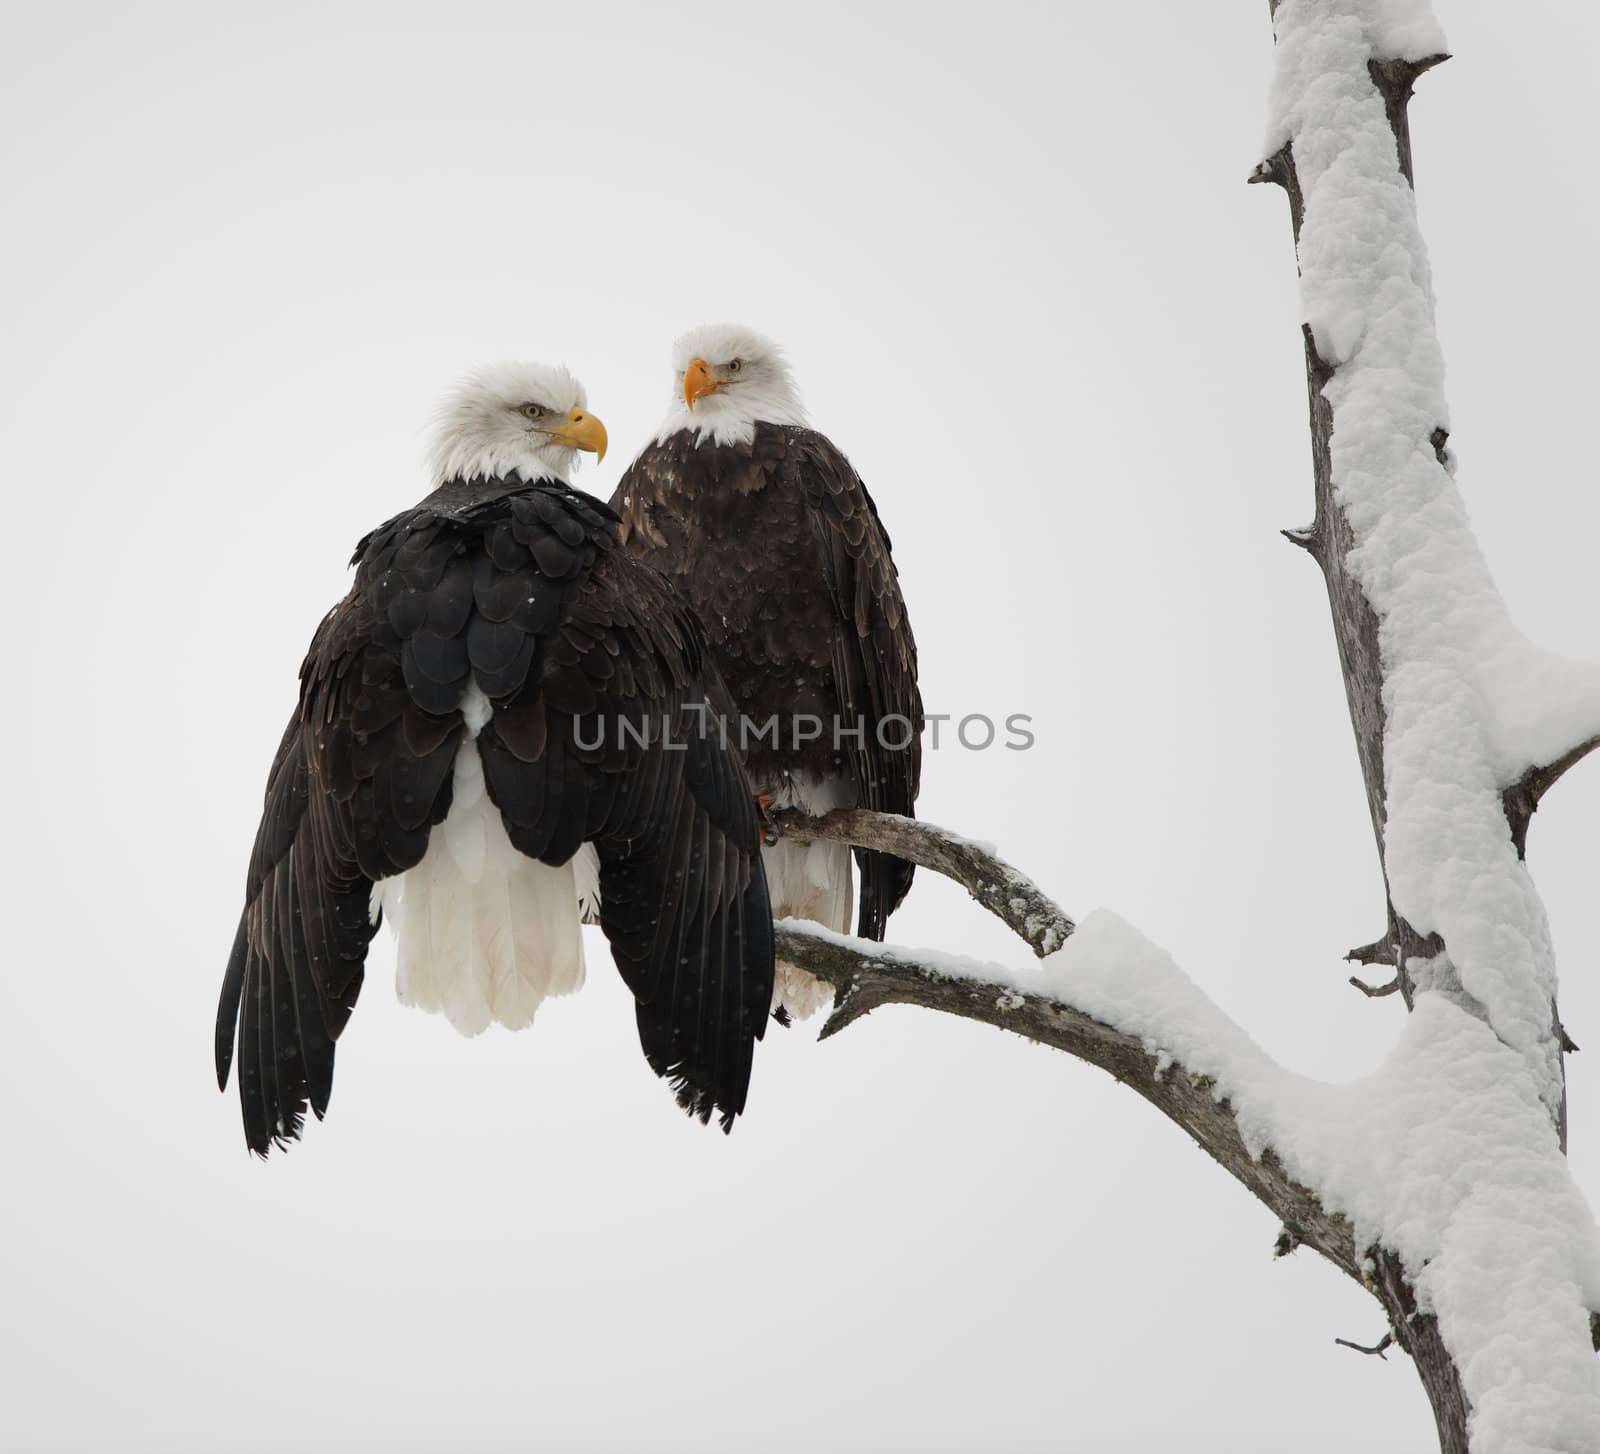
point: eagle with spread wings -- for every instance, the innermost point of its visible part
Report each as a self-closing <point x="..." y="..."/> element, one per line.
<point x="500" y="729"/>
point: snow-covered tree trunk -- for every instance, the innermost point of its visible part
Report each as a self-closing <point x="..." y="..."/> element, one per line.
<point x="1460" y="723"/>
<point x="1439" y="1182"/>
<point x="1423" y="636"/>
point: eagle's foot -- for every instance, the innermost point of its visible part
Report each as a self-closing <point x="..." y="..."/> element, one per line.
<point x="765" y="803"/>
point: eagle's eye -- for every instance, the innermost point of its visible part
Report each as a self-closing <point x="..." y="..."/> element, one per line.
<point x="534" y="411"/>
<point x="735" y="364"/>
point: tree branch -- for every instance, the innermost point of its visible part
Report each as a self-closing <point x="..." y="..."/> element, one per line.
<point x="867" y="976"/>
<point x="1399" y="944"/>
<point x="1377" y="1348"/>
<point x="1007" y="893"/>
<point x="1394" y="80"/>
<point x="1522" y="798"/>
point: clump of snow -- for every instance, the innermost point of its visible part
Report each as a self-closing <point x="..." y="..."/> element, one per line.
<point x="937" y="962"/>
<point x="1406" y="30"/>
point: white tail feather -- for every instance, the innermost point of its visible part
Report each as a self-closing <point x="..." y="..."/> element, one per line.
<point x="587" y="868"/>
<point x="813" y="881"/>
<point x="486" y="933"/>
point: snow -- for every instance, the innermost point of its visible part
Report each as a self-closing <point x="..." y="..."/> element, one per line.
<point x="1444" y="1155"/>
<point x="1405" y="30"/>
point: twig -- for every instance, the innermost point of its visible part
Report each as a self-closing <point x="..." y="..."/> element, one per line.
<point x="1381" y="951"/>
<point x="1007" y="893"/>
<point x="1396" y="949"/>
<point x="1377" y="1348"/>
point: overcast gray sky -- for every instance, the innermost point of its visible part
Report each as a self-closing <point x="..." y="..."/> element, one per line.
<point x="1012" y="257"/>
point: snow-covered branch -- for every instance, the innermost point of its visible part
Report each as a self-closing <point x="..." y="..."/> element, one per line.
<point x="1008" y="894"/>
<point x="1522" y="798"/>
<point x="1434" y="1181"/>
<point x="1038" y="1005"/>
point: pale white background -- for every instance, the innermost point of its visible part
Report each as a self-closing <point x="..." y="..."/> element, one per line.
<point x="1011" y="252"/>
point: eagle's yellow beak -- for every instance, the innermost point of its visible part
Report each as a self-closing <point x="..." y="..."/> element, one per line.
<point x="581" y="430"/>
<point x="697" y="381"/>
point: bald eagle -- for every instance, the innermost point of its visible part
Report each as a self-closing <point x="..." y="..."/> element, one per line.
<point x="766" y="530"/>
<point x="504" y="714"/>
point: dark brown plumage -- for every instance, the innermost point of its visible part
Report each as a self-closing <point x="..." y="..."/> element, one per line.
<point x="778" y="548"/>
<point x="524" y="589"/>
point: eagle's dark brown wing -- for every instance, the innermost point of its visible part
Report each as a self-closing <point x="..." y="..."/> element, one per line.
<point x="529" y="595"/>
<point x="360" y="776"/>
<point x="874" y="658"/>
<point x="777" y="545"/>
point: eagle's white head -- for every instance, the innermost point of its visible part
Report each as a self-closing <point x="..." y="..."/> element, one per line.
<point x="523" y="417"/>
<point x="726" y="380"/>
